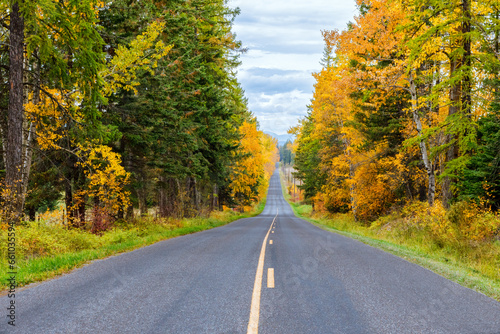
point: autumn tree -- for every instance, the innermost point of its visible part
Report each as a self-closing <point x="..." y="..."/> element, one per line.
<point x="258" y="154"/>
<point x="401" y="111"/>
<point x="51" y="45"/>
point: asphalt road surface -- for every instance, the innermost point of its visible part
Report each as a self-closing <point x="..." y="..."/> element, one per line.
<point x="275" y="273"/>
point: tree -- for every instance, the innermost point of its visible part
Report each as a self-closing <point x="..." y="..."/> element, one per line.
<point x="13" y="195"/>
<point x="405" y="105"/>
<point x="286" y="154"/>
<point x="180" y="125"/>
<point x="308" y="160"/>
<point x="62" y="52"/>
<point x="258" y="154"/>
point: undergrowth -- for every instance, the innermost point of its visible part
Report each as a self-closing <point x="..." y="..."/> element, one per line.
<point x="44" y="250"/>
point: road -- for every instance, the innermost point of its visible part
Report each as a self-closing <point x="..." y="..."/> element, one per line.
<point x="210" y="282"/>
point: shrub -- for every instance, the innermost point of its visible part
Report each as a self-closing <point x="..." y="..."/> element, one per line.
<point x="473" y="222"/>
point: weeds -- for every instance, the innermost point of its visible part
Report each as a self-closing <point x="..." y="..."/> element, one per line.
<point x="45" y="249"/>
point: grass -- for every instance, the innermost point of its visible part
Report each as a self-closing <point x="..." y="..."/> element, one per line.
<point x="474" y="266"/>
<point x="45" y="251"/>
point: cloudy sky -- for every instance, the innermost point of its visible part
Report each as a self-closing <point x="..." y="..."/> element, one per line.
<point x="285" y="46"/>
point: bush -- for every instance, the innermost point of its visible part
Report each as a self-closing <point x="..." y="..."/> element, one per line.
<point x="472" y="222"/>
<point x="38" y="240"/>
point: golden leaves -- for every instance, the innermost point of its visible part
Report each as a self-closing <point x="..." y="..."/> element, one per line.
<point x="142" y="54"/>
<point x="49" y="114"/>
<point x="106" y="178"/>
<point x="259" y="156"/>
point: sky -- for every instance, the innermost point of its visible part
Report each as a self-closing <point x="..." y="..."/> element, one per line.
<point x="285" y="47"/>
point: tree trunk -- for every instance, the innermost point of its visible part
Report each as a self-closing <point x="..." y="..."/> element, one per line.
<point x="467" y="61"/>
<point x="213" y="198"/>
<point x="460" y="93"/>
<point x="196" y="195"/>
<point x="141" y="192"/>
<point x="451" y="153"/>
<point x="167" y="197"/>
<point x="180" y="200"/>
<point x="68" y="198"/>
<point x="352" y="187"/>
<point x="81" y="212"/>
<point x="193" y="201"/>
<point x="162" y="197"/>
<point x="352" y="190"/>
<point x="127" y="163"/>
<point x="173" y="200"/>
<point x="14" y="155"/>
<point x="429" y="167"/>
<point x="220" y="198"/>
<point x="29" y="140"/>
<point x="141" y="198"/>
<point x="32" y="213"/>
<point x="3" y="133"/>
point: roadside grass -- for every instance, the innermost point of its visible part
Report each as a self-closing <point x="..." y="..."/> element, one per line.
<point x="45" y="251"/>
<point x="473" y="265"/>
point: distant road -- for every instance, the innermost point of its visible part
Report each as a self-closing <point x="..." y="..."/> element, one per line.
<point x="221" y="281"/>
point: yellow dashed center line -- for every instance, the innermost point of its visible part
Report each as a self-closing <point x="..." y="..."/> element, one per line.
<point x="253" y="322"/>
<point x="270" y="242"/>
<point x="270" y="277"/>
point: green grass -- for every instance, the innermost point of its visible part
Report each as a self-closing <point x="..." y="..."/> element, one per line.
<point x="44" y="252"/>
<point x="476" y="267"/>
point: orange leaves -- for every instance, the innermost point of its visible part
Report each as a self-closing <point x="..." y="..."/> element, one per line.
<point x="356" y="87"/>
<point x="376" y="182"/>
<point x="258" y="156"/>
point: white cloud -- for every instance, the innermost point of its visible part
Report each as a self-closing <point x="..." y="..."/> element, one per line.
<point x="285" y="47"/>
<point x="281" y="61"/>
<point x="278" y="112"/>
<point x="272" y="80"/>
<point x="277" y="10"/>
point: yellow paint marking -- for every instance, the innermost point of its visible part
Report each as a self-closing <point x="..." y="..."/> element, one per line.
<point x="253" y="322"/>
<point x="272" y="232"/>
<point x="270" y="242"/>
<point x="270" y="278"/>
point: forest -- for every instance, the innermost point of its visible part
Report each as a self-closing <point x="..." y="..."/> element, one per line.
<point x="405" y="119"/>
<point x="113" y="109"/>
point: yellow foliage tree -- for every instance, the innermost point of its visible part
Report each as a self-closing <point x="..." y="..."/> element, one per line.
<point x="106" y="179"/>
<point x="353" y="90"/>
<point x="258" y="155"/>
